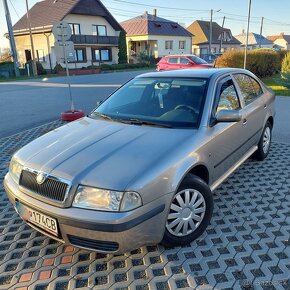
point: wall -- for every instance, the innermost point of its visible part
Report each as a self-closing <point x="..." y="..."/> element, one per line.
<point x="282" y="42"/>
<point x="40" y="41"/>
<point x="159" y="49"/>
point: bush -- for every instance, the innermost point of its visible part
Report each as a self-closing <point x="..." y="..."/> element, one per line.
<point x="40" y="69"/>
<point x="58" y="68"/>
<point x="261" y="62"/>
<point x="285" y="70"/>
<point x="122" y="54"/>
<point x="109" y="67"/>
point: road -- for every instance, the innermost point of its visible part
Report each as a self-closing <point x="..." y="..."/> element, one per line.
<point x="26" y="104"/>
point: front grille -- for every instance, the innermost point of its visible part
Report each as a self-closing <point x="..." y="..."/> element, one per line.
<point x="104" y="246"/>
<point x="51" y="188"/>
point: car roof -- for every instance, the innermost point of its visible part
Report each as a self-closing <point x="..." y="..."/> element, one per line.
<point x="193" y="73"/>
<point x="178" y="55"/>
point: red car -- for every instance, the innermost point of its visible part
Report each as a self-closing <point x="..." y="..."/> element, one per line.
<point x="171" y="62"/>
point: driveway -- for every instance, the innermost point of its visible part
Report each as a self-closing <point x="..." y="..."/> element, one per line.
<point x="246" y="246"/>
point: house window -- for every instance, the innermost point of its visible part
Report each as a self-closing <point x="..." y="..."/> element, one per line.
<point x="101" y="54"/>
<point x="169" y="44"/>
<point x="80" y="55"/>
<point x="100" y="30"/>
<point x="75" y="28"/>
<point x="40" y="55"/>
<point x="182" y="44"/>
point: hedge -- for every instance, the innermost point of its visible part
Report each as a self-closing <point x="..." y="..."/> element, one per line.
<point x="261" y="62"/>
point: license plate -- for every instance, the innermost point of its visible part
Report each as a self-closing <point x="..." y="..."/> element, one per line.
<point x="41" y="220"/>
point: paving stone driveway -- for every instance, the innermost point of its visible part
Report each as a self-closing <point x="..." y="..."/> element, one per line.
<point x="245" y="247"/>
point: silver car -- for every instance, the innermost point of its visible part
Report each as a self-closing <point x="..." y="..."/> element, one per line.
<point x="141" y="168"/>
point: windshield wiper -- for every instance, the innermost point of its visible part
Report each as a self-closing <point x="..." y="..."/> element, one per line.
<point x="142" y="122"/>
<point x="102" y="116"/>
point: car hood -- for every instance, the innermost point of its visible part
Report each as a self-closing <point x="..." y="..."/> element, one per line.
<point x="101" y="153"/>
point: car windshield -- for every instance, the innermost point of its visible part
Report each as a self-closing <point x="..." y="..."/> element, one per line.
<point x="164" y="102"/>
<point x="197" y="59"/>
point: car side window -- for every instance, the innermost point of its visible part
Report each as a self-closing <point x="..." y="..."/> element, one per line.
<point x="173" y="60"/>
<point x="228" y="97"/>
<point x="249" y="87"/>
<point x="184" y="60"/>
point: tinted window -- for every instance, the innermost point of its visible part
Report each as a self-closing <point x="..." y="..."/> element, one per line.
<point x="228" y="99"/>
<point x="249" y="87"/>
<point x="171" y="101"/>
<point x="173" y="60"/>
<point x="184" y="60"/>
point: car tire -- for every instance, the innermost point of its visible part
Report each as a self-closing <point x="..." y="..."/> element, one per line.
<point x="195" y="213"/>
<point x="264" y="143"/>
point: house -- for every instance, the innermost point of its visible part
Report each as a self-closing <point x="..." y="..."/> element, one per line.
<point x="155" y="36"/>
<point x="281" y="41"/>
<point x="222" y="38"/>
<point x="254" y="40"/>
<point x="95" y="32"/>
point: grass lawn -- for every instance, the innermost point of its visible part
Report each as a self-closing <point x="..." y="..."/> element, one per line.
<point x="274" y="83"/>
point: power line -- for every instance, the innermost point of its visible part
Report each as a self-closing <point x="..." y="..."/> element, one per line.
<point x="14" y="9"/>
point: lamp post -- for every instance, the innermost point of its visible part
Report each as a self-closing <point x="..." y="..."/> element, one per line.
<point x="247" y="36"/>
<point x="210" y="31"/>
<point x="11" y="38"/>
<point x="31" y="41"/>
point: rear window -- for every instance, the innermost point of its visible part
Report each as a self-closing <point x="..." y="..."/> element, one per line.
<point x="249" y="87"/>
<point x="197" y="59"/>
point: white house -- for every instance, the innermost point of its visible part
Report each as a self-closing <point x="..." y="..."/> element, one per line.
<point x="155" y="36"/>
<point x="95" y="32"/>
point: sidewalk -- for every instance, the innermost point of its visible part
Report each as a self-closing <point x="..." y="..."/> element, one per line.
<point x="245" y="247"/>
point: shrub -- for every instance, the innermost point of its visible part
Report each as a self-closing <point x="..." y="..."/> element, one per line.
<point x="122" y="54"/>
<point x="285" y="70"/>
<point x="261" y="62"/>
<point x="109" y="67"/>
<point x="57" y="68"/>
<point x="40" y="69"/>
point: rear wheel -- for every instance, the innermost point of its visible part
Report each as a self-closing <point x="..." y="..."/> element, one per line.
<point x="190" y="212"/>
<point x="264" y="143"/>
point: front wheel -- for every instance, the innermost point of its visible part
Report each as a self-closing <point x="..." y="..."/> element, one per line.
<point x="190" y="212"/>
<point x="264" y="143"/>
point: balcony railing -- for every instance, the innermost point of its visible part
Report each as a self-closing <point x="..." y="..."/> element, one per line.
<point x="94" y="39"/>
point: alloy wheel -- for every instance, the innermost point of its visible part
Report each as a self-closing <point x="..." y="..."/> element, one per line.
<point x="266" y="139"/>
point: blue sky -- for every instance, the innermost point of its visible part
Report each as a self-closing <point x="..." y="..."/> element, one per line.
<point x="276" y="13"/>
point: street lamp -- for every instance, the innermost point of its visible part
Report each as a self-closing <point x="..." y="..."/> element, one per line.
<point x="247" y="36"/>
<point x="210" y="31"/>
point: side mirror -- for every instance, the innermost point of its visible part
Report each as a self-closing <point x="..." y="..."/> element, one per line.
<point x="228" y="116"/>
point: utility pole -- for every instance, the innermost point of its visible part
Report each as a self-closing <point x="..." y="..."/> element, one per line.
<point x="210" y="34"/>
<point x="221" y="43"/>
<point x="247" y="37"/>
<point x="34" y="68"/>
<point x="11" y="39"/>
<point x="261" y="32"/>
<point x="47" y="35"/>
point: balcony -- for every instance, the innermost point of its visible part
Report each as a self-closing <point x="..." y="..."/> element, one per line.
<point x="94" y="39"/>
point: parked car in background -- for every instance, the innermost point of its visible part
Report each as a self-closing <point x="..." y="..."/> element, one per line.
<point x="141" y="168"/>
<point x="172" y="62"/>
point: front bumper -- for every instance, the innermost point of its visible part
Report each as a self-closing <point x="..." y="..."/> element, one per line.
<point x="107" y="232"/>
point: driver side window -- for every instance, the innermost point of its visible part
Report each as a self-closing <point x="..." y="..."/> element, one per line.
<point x="228" y="98"/>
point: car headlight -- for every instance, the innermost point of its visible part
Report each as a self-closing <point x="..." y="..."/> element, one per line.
<point x="106" y="200"/>
<point x="15" y="169"/>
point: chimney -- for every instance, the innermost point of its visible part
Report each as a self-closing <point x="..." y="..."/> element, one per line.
<point x="146" y="13"/>
<point x="282" y="33"/>
<point x="243" y="31"/>
<point x="154" y="12"/>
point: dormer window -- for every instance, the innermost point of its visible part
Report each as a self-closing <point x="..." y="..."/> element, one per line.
<point x="174" y="25"/>
<point x="157" y="24"/>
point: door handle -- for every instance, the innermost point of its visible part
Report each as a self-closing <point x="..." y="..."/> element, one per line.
<point x="245" y="121"/>
<point x="265" y="106"/>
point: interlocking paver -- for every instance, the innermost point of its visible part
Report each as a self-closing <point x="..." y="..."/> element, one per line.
<point x="246" y="246"/>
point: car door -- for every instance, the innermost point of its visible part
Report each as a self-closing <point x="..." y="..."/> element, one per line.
<point x="227" y="145"/>
<point x="255" y="106"/>
<point x="184" y="63"/>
